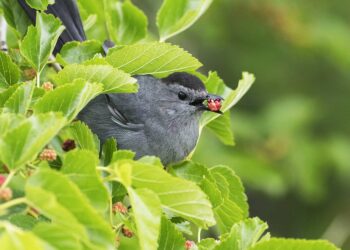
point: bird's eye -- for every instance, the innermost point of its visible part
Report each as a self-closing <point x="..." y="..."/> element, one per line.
<point x="182" y="95"/>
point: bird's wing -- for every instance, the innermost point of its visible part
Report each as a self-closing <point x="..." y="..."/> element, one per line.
<point x="118" y="118"/>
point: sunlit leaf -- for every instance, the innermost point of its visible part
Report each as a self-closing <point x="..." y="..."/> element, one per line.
<point x="9" y="72"/>
<point x="23" y="142"/>
<point x="126" y="23"/>
<point x="244" y="235"/>
<point x="69" y="99"/>
<point x="78" y="52"/>
<point x="170" y="237"/>
<point x="80" y="167"/>
<point x="159" y="59"/>
<point x="40" y="40"/>
<point x="58" y="198"/>
<point x="176" y="16"/>
<point x="14" y="238"/>
<point x="294" y="244"/>
<point x="84" y="138"/>
<point x="147" y="213"/>
<point x="58" y="236"/>
<point x="178" y="196"/>
<point x="15" y="17"/>
<point x="39" y="4"/>
<point x="20" y="99"/>
<point x="113" y="80"/>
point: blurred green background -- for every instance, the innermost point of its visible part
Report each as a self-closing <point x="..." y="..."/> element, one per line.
<point x="292" y="128"/>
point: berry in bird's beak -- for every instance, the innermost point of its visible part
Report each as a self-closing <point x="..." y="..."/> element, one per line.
<point x="214" y="103"/>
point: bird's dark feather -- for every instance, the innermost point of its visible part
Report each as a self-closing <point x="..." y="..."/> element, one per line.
<point x="185" y="79"/>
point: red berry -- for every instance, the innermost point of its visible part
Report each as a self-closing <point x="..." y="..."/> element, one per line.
<point x="189" y="244"/>
<point x="48" y="155"/>
<point x="119" y="207"/>
<point x="127" y="232"/>
<point x="212" y="105"/>
<point x="2" y="179"/>
<point x="5" y="194"/>
<point x="68" y="145"/>
<point x="218" y="104"/>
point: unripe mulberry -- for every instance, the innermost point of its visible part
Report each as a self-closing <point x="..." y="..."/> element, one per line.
<point x="48" y="155"/>
<point x="119" y="207"/>
<point x="127" y="232"/>
<point x="5" y="194"/>
<point x="48" y="86"/>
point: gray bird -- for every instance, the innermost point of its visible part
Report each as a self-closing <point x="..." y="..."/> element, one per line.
<point x="161" y="119"/>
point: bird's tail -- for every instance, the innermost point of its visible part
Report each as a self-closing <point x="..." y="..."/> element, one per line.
<point x="67" y="11"/>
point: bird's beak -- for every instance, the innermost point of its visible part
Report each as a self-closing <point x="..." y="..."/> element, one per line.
<point x="213" y="103"/>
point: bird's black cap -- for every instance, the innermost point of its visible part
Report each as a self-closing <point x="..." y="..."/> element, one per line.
<point x="185" y="79"/>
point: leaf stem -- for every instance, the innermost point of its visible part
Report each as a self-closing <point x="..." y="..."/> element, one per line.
<point x="7" y="180"/>
<point x="104" y="169"/>
<point x="38" y="79"/>
<point x="199" y="235"/>
<point x="12" y="203"/>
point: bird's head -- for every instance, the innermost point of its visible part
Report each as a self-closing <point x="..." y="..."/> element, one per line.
<point x="189" y="94"/>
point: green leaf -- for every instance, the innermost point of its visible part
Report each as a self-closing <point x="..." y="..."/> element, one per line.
<point x="20" y="100"/>
<point x="223" y="188"/>
<point x="128" y="20"/>
<point x="23" y="221"/>
<point x="78" y="52"/>
<point x="57" y="236"/>
<point x="215" y="85"/>
<point x="69" y="99"/>
<point x="221" y="127"/>
<point x="6" y="94"/>
<point x="80" y="167"/>
<point x="109" y="147"/>
<point x="14" y="238"/>
<point x="9" y="121"/>
<point x="207" y="244"/>
<point x="244" y="235"/>
<point x="158" y="59"/>
<point x="16" y="17"/>
<point x="178" y="197"/>
<point x="113" y="80"/>
<point x="170" y="237"/>
<point x="39" y="4"/>
<point x="59" y="199"/>
<point x="147" y="213"/>
<point x="122" y="155"/>
<point x="95" y="10"/>
<point x="23" y="142"/>
<point x="84" y="138"/>
<point x="235" y="187"/>
<point x="176" y="16"/>
<point x="40" y="40"/>
<point x="9" y="72"/>
<point x="294" y="244"/>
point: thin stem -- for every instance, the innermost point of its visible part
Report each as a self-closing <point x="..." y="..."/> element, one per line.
<point x="104" y="169"/>
<point x="199" y="235"/>
<point x="54" y="64"/>
<point x="12" y="203"/>
<point x="38" y="79"/>
<point x="7" y="180"/>
<point x="3" y="33"/>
